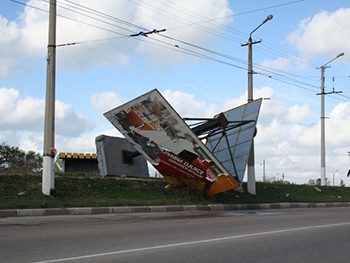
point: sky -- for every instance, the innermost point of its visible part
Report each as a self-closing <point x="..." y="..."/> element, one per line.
<point x="198" y="64"/>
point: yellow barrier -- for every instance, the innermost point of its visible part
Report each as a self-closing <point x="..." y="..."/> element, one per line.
<point x="63" y="155"/>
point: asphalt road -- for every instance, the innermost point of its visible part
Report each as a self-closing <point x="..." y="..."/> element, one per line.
<point x="285" y="235"/>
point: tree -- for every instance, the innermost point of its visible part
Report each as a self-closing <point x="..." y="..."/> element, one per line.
<point x="311" y="182"/>
<point x="15" y="158"/>
<point x="33" y="161"/>
<point x="314" y="181"/>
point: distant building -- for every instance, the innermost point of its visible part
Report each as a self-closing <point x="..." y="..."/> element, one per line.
<point x="77" y="162"/>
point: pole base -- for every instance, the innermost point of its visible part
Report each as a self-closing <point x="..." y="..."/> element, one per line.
<point x="48" y="176"/>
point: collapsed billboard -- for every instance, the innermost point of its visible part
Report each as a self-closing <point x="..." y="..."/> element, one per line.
<point x="155" y="129"/>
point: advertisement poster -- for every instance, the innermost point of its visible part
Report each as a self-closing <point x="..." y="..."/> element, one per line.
<point x="154" y="128"/>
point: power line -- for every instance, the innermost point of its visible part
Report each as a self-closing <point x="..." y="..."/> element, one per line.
<point x="69" y="18"/>
<point x="94" y="11"/>
<point x="189" y="11"/>
<point x="88" y="41"/>
<point x="180" y="19"/>
<point x="127" y="23"/>
<point x="243" y="13"/>
<point x="94" y="18"/>
<point x="102" y="17"/>
<point x="183" y="50"/>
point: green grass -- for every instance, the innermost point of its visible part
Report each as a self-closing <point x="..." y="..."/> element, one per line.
<point x="20" y="191"/>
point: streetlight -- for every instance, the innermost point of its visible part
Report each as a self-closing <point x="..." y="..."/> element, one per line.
<point x="334" y="175"/>
<point x="323" y="152"/>
<point x="250" y="57"/>
<point x="263" y="165"/>
<point x="251" y="161"/>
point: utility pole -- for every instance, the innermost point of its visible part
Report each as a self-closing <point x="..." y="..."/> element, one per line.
<point x="263" y="170"/>
<point x="323" y="139"/>
<point x="251" y="159"/>
<point x="48" y="176"/>
<point x="334" y="176"/>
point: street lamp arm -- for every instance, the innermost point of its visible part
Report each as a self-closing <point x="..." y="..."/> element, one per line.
<point x="269" y="17"/>
<point x="339" y="55"/>
<point x="250" y="35"/>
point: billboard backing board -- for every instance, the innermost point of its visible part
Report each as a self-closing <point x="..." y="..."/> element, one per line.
<point x="240" y="139"/>
<point x="155" y="129"/>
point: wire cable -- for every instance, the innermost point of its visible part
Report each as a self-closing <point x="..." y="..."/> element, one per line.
<point x="107" y="19"/>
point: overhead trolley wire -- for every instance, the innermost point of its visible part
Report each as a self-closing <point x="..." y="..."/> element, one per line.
<point x="204" y="19"/>
<point x="94" y="14"/>
<point x="188" y="51"/>
<point x="75" y="20"/>
<point x="226" y="56"/>
<point x="182" y="20"/>
<point x="233" y="15"/>
<point x="181" y="49"/>
<point x="343" y="80"/>
<point x="90" y="16"/>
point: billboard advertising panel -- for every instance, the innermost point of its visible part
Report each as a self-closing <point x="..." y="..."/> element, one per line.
<point x="155" y="129"/>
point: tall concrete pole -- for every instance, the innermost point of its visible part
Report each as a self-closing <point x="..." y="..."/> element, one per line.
<point x="264" y="171"/>
<point x="48" y="176"/>
<point x="250" y="69"/>
<point x="323" y="137"/>
<point x="251" y="159"/>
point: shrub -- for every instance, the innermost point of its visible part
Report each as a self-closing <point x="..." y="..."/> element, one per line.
<point x="13" y="158"/>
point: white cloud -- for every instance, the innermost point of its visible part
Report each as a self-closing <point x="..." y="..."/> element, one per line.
<point x="183" y="12"/>
<point x="86" y="24"/>
<point x="24" y="38"/>
<point x="298" y="113"/>
<point x="278" y="64"/>
<point x="9" y="34"/>
<point x="341" y="111"/>
<point x="185" y="104"/>
<point x="70" y="123"/>
<point x="20" y="114"/>
<point x="104" y="101"/>
<point x="337" y="127"/>
<point x="292" y="147"/>
<point x="324" y="33"/>
<point x="29" y="144"/>
<point x="26" y="116"/>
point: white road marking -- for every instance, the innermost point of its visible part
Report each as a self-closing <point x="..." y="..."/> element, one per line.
<point x="193" y="242"/>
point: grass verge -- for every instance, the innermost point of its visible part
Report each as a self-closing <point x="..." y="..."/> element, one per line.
<point x="22" y="191"/>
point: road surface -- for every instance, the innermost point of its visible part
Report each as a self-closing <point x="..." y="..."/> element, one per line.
<point x="284" y="235"/>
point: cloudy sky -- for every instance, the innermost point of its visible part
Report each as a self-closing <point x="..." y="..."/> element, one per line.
<point x="198" y="64"/>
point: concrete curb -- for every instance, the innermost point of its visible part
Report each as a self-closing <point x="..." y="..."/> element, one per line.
<point x="149" y="209"/>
